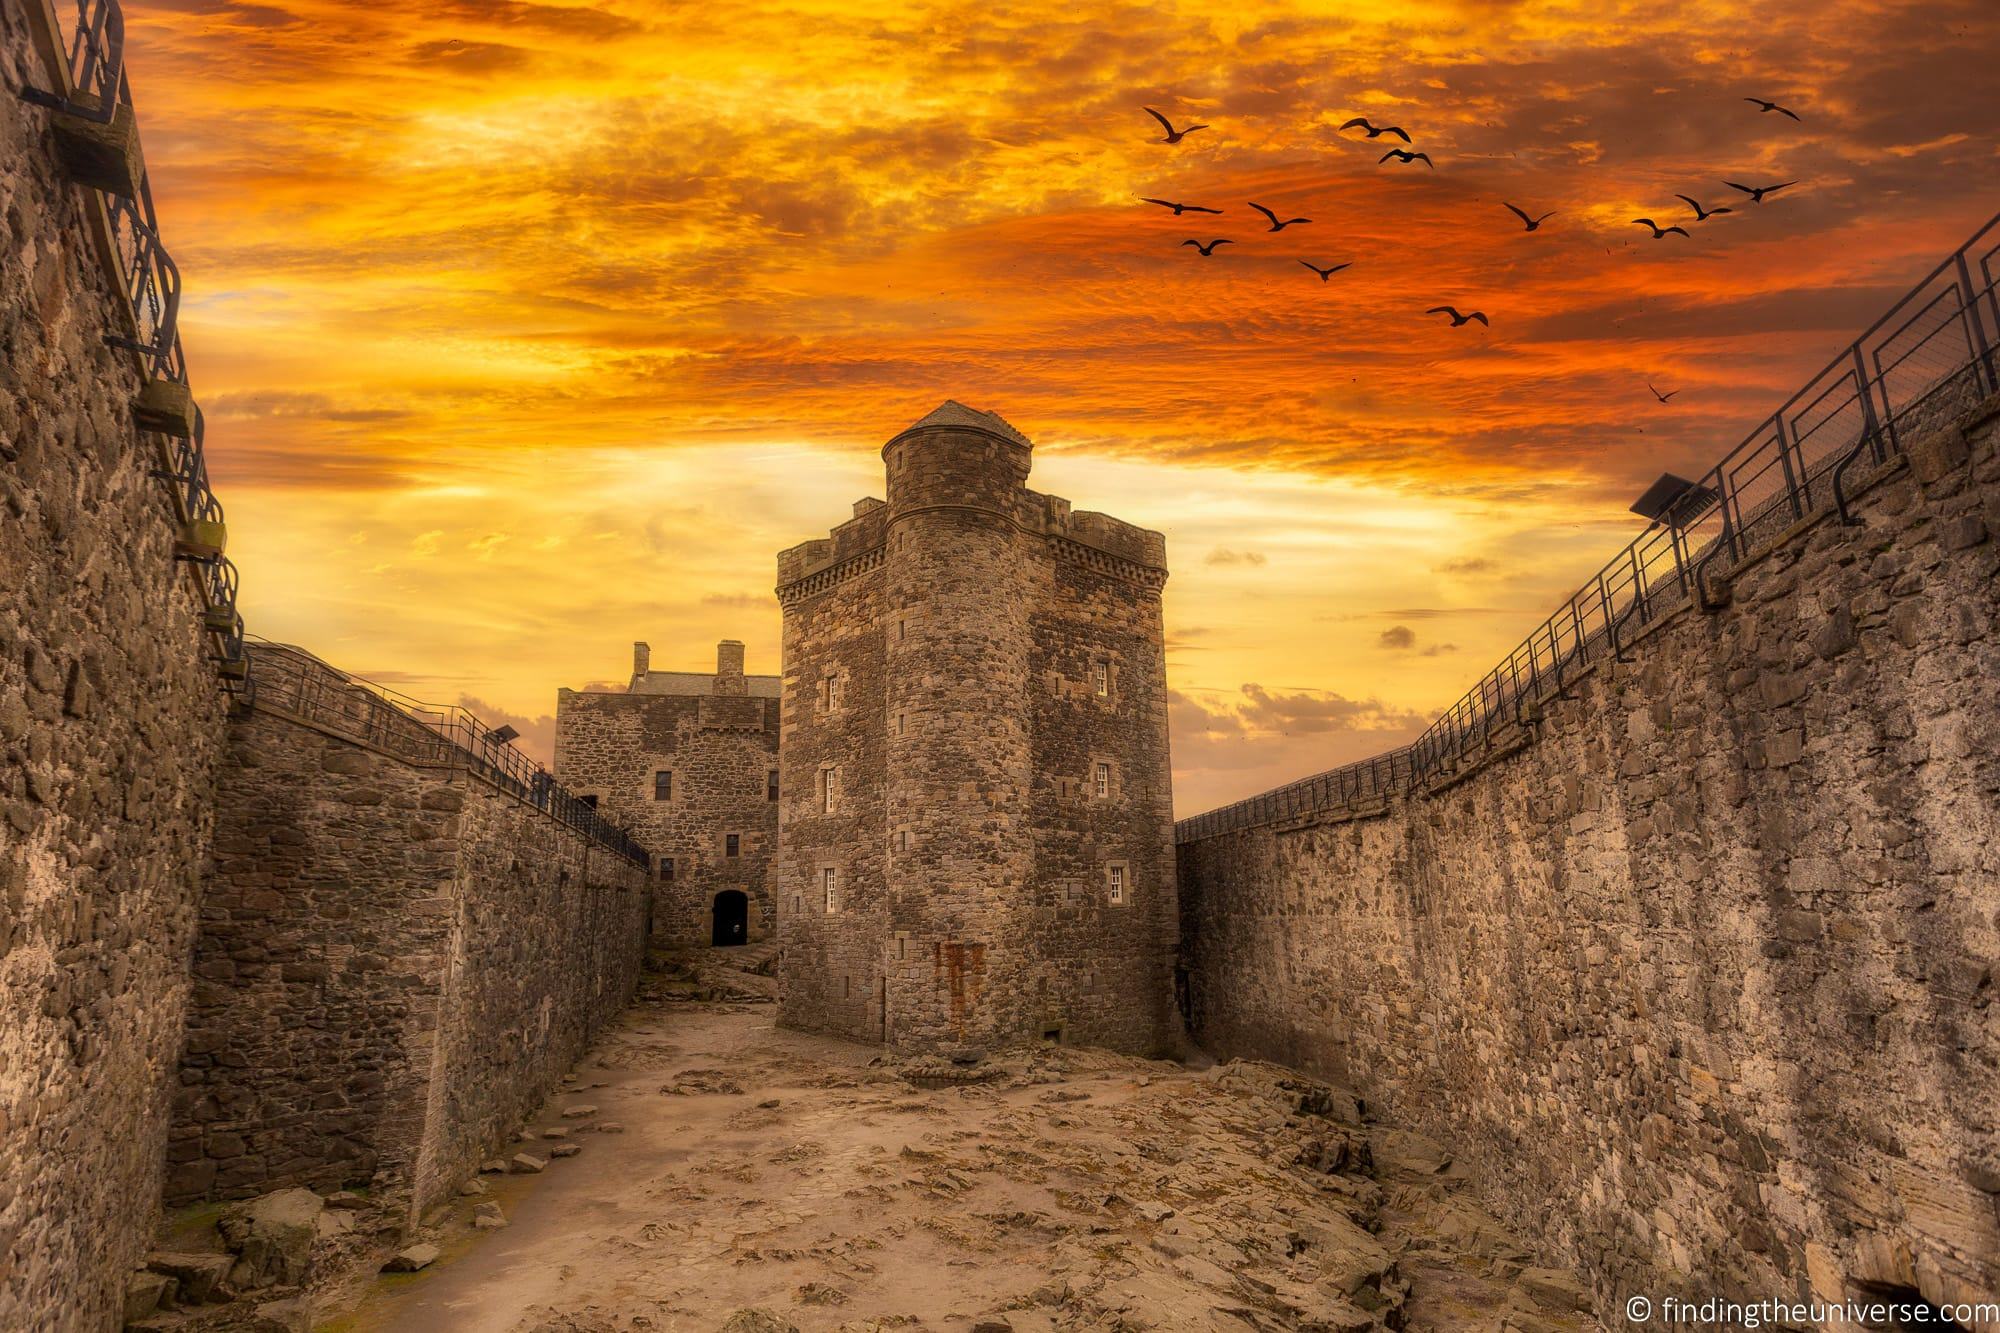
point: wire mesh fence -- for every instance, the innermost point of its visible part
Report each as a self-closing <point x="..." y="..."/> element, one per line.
<point x="293" y="681"/>
<point x="1925" y="362"/>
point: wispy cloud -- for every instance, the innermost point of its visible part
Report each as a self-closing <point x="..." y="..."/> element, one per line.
<point x="458" y="270"/>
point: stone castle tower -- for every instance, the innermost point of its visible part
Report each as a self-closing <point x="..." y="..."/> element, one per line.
<point x="975" y="830"/>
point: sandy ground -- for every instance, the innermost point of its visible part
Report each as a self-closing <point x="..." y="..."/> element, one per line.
<point x="762" y="1180"/>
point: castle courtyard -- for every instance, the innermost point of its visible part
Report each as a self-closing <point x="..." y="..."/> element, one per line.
<point x="761" y="1179"/>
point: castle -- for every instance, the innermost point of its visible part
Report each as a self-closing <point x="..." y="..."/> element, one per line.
<point x="688" y="762"/>
<point x="1682" y="932"/>
<point x="976" y="830"/>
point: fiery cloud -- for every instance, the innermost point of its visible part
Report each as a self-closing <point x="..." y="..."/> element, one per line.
<point x="529" y="329"/>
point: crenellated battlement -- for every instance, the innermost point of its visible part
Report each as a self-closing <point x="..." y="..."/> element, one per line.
<point x="960" y="458"/>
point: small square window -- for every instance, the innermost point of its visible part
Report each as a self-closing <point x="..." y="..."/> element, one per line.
<point x="1103" y="786"/>
<point x="1100" y="679"/>
<point x="771" y="785"/>
<point x="829" y="880"/>
<point x="732" y="844"/>
<point x="667" y="869"/>
<point x="663" y="786"/>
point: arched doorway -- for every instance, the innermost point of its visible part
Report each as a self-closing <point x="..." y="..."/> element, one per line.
<point x="732" y="918"/>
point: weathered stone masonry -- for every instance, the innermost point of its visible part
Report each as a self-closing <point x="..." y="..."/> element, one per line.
<point x="975" y="823"/>
<point x="110" y="719"/>
<point x="397" y="962"/>
<point x="712" y="821"/>
<point x="1700" y="981"/>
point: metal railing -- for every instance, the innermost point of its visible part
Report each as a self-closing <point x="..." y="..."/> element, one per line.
<point x="1919" y="366"/>
<point x="293" y="681"/>
<point x="97" y="89"/>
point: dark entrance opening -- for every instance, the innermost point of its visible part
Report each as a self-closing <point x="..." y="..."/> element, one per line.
<point x="732" y="917"/>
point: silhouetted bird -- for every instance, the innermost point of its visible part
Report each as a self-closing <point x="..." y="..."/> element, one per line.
<point x="1658" y="230"/>
<point x="1757" y="192"/>
<point x="1403" y="156"/>
<point x="1661" y="396"/>
<point x="1533" y="224"/>
<point x="1763" y="105"/>
<point x="1275" y="224"/>
<point x="1377" y="131"/>
<point x="1456" y="318"/>
<point x="1702" y="214"/>
<point x="1209" y="249"/>
<point x="1173" y="135"/>
<point x="1324" y="273"/>
<point x="1178" y="208"/>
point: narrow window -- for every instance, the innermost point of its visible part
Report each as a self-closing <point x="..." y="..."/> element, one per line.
<point x="899" y="724"/>
<point x="829" y="789"/>
<point x="771" y="785"/>
<point x="667" y="869"/>
<point x="902" y="629"/>
<point x="1116" y="887"/>
<point x="902" y="840"/>
<point x="846" y="987"/>
<point x="833" y="692"/>
<point x="829" y="879"/>
<point x="1100" y="679"/>
<point x="796" y="904"/>
<point x="1103" y="780"/>
<point x="663" y="786"/>
<point x="732" y="844"/>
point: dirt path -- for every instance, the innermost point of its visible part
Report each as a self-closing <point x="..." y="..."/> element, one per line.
<point x="760" y="1170"/>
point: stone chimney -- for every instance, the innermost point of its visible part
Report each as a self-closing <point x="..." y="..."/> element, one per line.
<point x="642" y="661"/>
<point x="729" y="668"/>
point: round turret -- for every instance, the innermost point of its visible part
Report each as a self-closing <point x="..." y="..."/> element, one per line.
<point x="956" y="457"/>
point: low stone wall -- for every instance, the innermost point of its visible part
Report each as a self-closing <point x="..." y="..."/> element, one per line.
<point x="396" y="962"/>
<point x="110" y="723"/>
<point x="1700" y="980"/>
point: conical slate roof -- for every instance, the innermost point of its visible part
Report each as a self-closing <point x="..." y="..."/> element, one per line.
<point x="951" y="412"/>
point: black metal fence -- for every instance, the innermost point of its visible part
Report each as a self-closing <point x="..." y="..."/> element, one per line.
<point x="444" y="736"/>
<point x="98" y="91"/>
<point x="1931" y="357"/>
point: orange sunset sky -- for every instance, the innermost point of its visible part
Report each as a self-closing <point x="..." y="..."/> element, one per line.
<point x="527" y="330"/>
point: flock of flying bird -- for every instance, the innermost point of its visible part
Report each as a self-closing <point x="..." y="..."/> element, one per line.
<point x="1754" y="193"/>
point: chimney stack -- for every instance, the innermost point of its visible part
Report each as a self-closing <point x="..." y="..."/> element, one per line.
<point x="642" y="661"/>
<point x="729" y="668"/>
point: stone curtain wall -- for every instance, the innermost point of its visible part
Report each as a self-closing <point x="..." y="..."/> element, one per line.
<point x="547" y="946"/>
<point x="395" y="962"/>
<point x="325" y="923"/>
<point x="110" y="723"/>
<point x="1699" y="982"/>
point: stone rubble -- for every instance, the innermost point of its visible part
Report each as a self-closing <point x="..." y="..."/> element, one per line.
<point x="1056" y="1188"/>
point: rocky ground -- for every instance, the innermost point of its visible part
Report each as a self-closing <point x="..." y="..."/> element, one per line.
<point x="763" y="1180"/>
<point x="704" y="1171"/>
